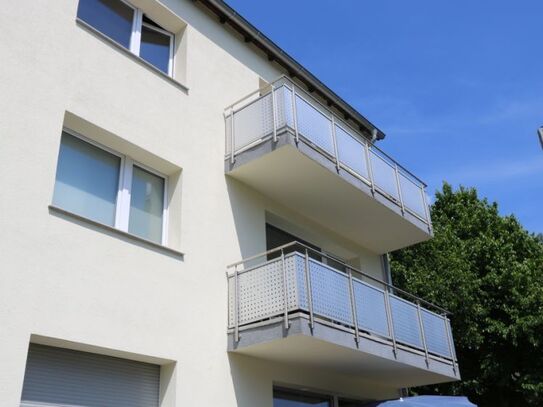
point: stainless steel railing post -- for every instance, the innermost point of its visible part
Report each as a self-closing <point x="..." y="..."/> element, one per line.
<point x="309" y="290"/>
<point x="370" y="169"/>
<point x="232" y="144"/>
<point x="397" y="172"/>
<point x="285" y="290"/>
<point x="390" y="322"/>
<point x="450" y="342"/>
<point x="353" y="308"/>
<point x="295" y="114"/>
<point x="274" y="113"/>
<point x="236" y="305"/>
<point x="334" y="140"/>
<point x="426" y="209"/>
<point x="423" y="335"/>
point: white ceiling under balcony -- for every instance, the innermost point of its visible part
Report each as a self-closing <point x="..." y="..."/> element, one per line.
<point x="337" y="201"/>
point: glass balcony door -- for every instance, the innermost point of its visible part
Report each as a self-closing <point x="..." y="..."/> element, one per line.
<point x="291" y="398"/>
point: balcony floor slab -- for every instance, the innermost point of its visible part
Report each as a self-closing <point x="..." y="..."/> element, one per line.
<point x="327" y="347"/>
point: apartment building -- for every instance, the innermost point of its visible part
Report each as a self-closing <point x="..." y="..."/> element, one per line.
<point x="191" y="218"/>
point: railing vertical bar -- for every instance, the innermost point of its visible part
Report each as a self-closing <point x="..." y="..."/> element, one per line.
<point x="450" y="342"/>
<point x="353" y="307"/>
<point x="370" y="169"/>
<point x="295" y="114"/>
<point x="423" y="335"/>
<point x="274" y="113"/>
<point x="309" y="290"/>
<point x="285" y="290"/>
<point x="426" y="209"/>
<point x="232" y="144"/>
<point x="334" y="140"/>
<point x="397" y="173"/>
<point x="390" y="323"/>
<point x="236" y="305"/>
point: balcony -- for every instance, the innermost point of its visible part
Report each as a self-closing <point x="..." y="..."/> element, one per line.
<point x="289" y="147"/>
<point x="290" y="307"/>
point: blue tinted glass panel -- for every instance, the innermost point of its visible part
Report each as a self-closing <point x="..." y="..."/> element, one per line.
<point x="87" y="180"/>
<point x="111" y="17"/>
<point x="146" y="205"/>
<point x="155" y="48"/>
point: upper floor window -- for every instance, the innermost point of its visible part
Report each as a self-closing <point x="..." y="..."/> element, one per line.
<point x="110" y="188"/>
<point x="129" y="27"/>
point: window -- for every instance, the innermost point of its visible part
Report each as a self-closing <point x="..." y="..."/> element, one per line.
<point x="63" y="377"/>
<point x="276" y="237"/>
<point x="110" y="188"/>
<point x="291" y="398"/>
<point x="129" y="27"/>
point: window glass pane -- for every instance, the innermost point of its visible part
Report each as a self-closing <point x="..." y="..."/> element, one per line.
<point x="285" y="398"/>
<point x="111" y="17"/>
<point x="155" y="48"/>
<point x="146" y="205"/>
<point x="87" y="180"/>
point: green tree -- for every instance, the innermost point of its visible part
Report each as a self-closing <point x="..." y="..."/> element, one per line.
<point x="488" y="271"/>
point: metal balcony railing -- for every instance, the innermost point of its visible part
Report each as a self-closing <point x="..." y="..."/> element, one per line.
<point x="282" y="282"/>
<point x="258" y="118"/>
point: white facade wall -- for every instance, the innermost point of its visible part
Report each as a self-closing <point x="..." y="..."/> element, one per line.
<point x="72" y="284"/>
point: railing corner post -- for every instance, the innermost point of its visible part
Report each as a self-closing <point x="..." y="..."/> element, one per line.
<point x="285" y="290"/>
<point x="423" y="335"/>
<point x="236" y="305"/>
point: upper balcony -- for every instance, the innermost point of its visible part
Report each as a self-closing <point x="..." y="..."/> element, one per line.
<point x="291" y="307"/>
<point x="288" y="146"/>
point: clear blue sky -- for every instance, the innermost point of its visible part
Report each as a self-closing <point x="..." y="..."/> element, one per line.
<point x="457" y="86"/>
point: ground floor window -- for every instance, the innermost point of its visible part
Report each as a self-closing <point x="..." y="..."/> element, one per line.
<point x="283" y="397"/>
<point x="62" y="377"/>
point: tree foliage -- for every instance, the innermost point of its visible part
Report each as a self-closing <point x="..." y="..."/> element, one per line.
<point x="488" y="271"/>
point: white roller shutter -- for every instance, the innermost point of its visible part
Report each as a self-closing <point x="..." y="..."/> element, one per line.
<point x="61" y="377"/>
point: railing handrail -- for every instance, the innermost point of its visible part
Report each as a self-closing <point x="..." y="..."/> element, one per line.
<point x="389" y="286"/>
<point x="363" y="139"/>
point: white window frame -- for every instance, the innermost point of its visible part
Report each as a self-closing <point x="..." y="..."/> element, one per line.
<point x="135" y="37"/>
<point x="122" y="203"/>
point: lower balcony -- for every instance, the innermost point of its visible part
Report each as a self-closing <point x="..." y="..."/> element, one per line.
<point x="292" y="308"/>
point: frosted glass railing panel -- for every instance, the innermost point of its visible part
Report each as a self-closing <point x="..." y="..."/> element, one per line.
<point x="253" y="122"/>
<point x="412" y="196"/>
<point x="405" y="321"/>
<point x="384" y="175"/>
<point x="314" y="125"/>
<point x="435" y="331"/>
<point x="351" y="152"/>
<point x="370" y="308"/>
<point x="330" y="293"/>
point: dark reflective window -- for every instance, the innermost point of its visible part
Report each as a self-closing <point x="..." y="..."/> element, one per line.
<point x="289" y="398"/>
<point x="111" y="17"/>
<point x="155" y="47"/>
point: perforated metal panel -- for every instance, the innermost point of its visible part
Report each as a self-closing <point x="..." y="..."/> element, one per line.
<point x="314" y="125"/>
<point x="261" y="292"/>
<point x="330" y="290"/>
<point x="384" y="175"/>
<point x="370" y="308"/>
<point x="253" y="122"/>
<point x="405" y="321"/>
<point x="283" y="101"/>
<point x="435" y="333"/>
<point x="412" y="196"/>
<point x="351" y="152"/>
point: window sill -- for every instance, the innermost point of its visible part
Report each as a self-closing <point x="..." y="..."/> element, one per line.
<point x="127" y="52"/>
<point x="116" y="232"/>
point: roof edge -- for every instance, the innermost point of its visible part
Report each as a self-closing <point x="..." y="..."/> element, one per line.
<point x="227" y="15"/>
